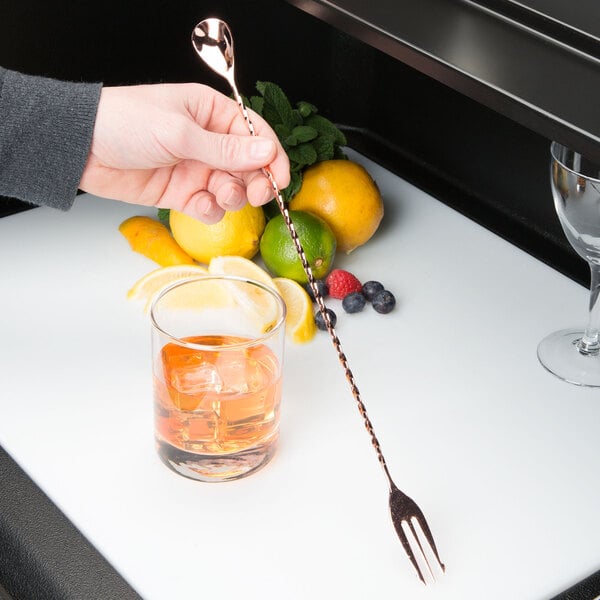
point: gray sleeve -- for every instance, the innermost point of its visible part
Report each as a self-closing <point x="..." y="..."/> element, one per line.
<point x="46" y="129"/>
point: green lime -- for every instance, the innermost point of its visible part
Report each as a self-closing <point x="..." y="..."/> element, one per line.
<point x="279" y="252"/>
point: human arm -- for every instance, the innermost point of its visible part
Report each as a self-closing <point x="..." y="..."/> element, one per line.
<point x="182" y="146"/>
<point x="46" y="130"/>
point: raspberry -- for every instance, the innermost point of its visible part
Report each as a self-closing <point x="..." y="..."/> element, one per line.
<point x="354" y="302"/>
<point x="341" y="283"/>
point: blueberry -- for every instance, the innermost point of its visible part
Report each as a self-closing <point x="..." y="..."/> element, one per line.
<point x="322" y="287"/>
<point x="370" y="288"/>
<point x="354" y="302"/>
<point x="320" y="321"/>
<point x="384" y="302"/>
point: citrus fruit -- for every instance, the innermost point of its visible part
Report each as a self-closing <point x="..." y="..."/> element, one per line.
<point x="197" y="295"/>
<point x="299" y="321"/>
<point x="149" y="285"/>
<point x="279" y="252"/>
<point x="152" y="239"/>
<point x="237" y="233"/>
<point x="344" y="195"/>
<point x="241" y="267"/>
<point x="257" y="302"/>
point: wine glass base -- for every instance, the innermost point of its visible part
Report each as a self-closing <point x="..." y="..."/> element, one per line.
<point x="558" y="353"/>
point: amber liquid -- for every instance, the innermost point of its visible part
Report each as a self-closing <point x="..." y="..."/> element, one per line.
<point x="217" y="402"/>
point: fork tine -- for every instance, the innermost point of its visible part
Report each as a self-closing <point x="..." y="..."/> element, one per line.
<point x="418" y="540"/>
<point x="409" y="552"/>
<point x="403" y="510"/>
<point x="427" y="532"/>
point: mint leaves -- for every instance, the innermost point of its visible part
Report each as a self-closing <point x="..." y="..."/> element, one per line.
<point x="163" y="216"/>
<point x="306" y="136"/>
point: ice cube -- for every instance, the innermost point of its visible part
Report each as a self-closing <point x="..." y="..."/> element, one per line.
<point x="233" y="374"/>
<point x="196" y="378"/>
<point x="242" y="376"/>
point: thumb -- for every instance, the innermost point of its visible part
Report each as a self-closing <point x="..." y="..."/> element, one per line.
<point x="229" y="152"/>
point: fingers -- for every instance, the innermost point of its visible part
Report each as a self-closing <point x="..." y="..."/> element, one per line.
<point x="221" y="139"/>
<point x="228" y="191"/>
<point x="227" y="152"/>
<point x="258" y="189"/>
<point x="206" y="198"/>
<point x="203" y="206"/>
<point x="280" y="164"/>
<point x="243" y="154"/>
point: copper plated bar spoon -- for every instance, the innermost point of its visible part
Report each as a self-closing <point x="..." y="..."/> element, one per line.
<point x="213" y="41"/>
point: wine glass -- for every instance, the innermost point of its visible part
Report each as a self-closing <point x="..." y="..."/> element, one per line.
<point x="574" y="354"/>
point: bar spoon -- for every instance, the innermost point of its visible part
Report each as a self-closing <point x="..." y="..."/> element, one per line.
<point x="213" y="42"/>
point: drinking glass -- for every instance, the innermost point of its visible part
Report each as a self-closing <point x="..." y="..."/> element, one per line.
<point x="574" y="354"/>
<point x="217" y="358"/>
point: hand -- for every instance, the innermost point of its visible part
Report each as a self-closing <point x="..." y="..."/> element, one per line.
<point x="181" y="146"/>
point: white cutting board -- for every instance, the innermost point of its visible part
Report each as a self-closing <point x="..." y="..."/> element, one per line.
<point x="503" y="458"/>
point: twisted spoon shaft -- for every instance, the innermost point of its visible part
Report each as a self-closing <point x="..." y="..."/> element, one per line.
<point x="318" y="297"/>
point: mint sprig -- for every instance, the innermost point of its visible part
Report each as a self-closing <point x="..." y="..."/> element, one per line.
<point x="306" y="136"/>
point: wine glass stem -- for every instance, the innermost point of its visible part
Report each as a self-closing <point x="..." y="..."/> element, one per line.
<point x="590" y="342"/>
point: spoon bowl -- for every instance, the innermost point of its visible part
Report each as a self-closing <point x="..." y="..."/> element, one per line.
<point x="213" y="41"/>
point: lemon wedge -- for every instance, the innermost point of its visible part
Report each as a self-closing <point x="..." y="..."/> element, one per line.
<point x="241" y="267"/>
<point x="299" y="321"/>
<point x="146" y="288"/>
<point x="258" y="301"/>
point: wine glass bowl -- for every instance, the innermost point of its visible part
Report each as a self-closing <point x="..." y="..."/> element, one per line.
<point x="576" y="191"/>
<point x="574" y="354"/>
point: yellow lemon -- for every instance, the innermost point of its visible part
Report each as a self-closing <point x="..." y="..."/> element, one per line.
<point x="148" y="286"/>
<point x="237" y="233"/>
<point x="346" y="197"/>
<point x="299" y="321"/>
<point x="279" y="252"/>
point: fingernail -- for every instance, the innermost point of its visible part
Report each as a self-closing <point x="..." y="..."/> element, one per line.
<point x="211" y="214"/>
<point x="267" y="195"/>
<point x="233" y="199"/>
<point x="261" y="149"/>
<point x="208" y="212"/>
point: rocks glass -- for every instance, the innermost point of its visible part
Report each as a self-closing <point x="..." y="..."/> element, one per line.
<point x="217" y="352"/>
